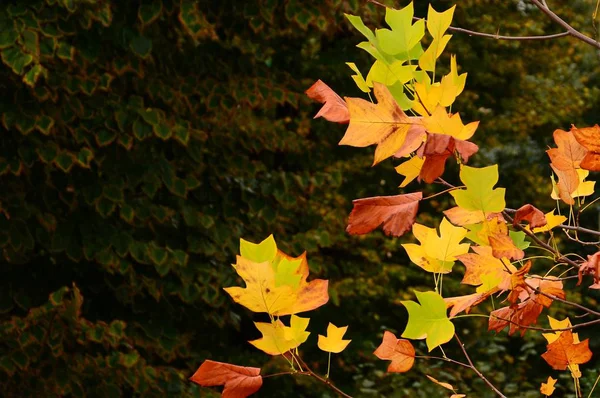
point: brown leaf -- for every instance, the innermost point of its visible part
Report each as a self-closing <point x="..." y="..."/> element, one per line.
<point x="534" y="216"/>
<point x="563" y="352"/>
<point x="400" y="351"/>
<point x="239" y="381"/>
<point x="437" y="149"/>
<point x="396" y="213"/>
<point x="334" y="108"/>
<point x="589" y="137"/>
<point x="524" y="314"/>
<point x="590" y="267"/>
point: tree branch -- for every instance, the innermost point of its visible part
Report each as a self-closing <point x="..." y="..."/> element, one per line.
<point x="481" y="376"/>
<point x="309" y="372"/>
<point x="491" y="35"/>
<point x="570" y="30"/>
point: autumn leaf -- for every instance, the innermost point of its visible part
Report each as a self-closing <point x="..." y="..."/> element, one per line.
<point x="404" y="37"/>
<point x="383" y="124"/>
<point x="564" y="352"/>
<point x="333" y="341"/>
<point x="396" y="213"/>
<point x="553" y="221"/>
<point x="260" y="293"/>
<point x="440" y="383"/>
<point x="277" y="285"/>
<point x="437" y="253"/>
<point x="565" y="160"/>
<point x="547" y="388"/>
<point x="277" y="339"/>
<point x="516" y="317"/>
<point x="591" y="267"/>
<point x="462" y="217"/>
<point x="358" y="78"/>
<point x="441" y="122"/>
<point x="589" y="137"/>
<point x="410" y="169"/>
<point x="437" y="149"/>
<point x="531" y="214"/>
<point x="428" y="320"/>
<point x="400" y="351"/>
<point x="334" y="108"/>
<point x="482" y="263"/>
<point x="479" y="195"/>
<point x="239" y="381"/>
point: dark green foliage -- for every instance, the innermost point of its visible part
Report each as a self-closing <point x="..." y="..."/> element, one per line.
<point x="141" y="140"/>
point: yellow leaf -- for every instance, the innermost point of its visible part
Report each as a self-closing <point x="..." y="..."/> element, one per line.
<point x="410" y="169"/>
<point x="427" y="97"/>
<point x="260" y="293"/>
<point x="439" y="22"/>
<point x="358" y="78"/>
<point x="440" y="383"/>
<point x="384" y="123"/>
<point x="390" y="74"/>
<point x="452" y="84"/>
<point x="553" y="221"/>
<point x="437" y="253"/>
<point x="547" y="388"/>
<point x="440" y="122"/>
<point x="297" y="330"/>
<point x="333" y="341"/>
<point x="585" y="188"/>
<point x="435" y="49"/>
<point x="274" y="341"/>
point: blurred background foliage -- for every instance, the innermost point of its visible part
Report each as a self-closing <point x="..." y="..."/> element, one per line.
<point x="141" y="140"/>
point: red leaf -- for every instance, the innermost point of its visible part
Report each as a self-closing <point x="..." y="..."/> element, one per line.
<point x="335" y="108"/>
<point x="591" y="267"/>
<point x="400" y="351"/>
<point x="437" y="150"/>
<point x="239" y="381"/>
<point x="534" y="216"/>
<point x="396" y="213"/>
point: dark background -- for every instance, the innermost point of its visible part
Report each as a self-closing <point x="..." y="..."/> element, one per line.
<point x="141" y="140"/>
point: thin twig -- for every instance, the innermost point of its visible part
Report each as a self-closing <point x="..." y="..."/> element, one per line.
<point x="550" y="296"/>
<point x="490" y="35"/>
<point x="570" y="30"/>
<point x="443" y="359"/>
<point x="328" y="382"/>
<point x="540" y="329"/>
<point x="579" y="229"/>
<point x="481" y="376"/>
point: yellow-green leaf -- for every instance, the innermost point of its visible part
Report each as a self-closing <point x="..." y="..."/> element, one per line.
<point x="428" y="320"/>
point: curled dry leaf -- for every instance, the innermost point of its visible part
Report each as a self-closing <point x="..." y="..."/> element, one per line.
<point x="589" y="137"/>
<point x="239" y="381"/>
<point x="400" y="351"/>
<point x="396" y="213"/>
<point x="565" y="160"/>
<point x="334" y="108"/>
<point x="591" y="267"/>
<point x="440" y="383"/>
<point x="534" y="216"/>
<point x="564" y="352"/>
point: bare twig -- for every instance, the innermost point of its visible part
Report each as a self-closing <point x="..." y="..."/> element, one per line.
<point x="571" y="31"/>
<point x="309" y="372"/>
<point x="491" y="35"/>
<point x="540" y="329"/>
<point x="481" y="376"/>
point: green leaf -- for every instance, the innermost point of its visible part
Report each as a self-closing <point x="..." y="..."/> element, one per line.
<point x="113" y="193"/>
<point x="8" y="34"/>
<point x="44" y="124"/>
<point x="359" y="25"/>
<point x="259" y="252"/>
<point x="84" y="157"/>
<point x="127" y="213"/>
<point x="148" y="13"/>
<point x="404" y="36"/>
<point x="157" y="254"/>
<point x="141" y="46"/>
<point x="518" y="238"/>
<point x="141" y="130"/>
<point x="16" y="59"/>
<point x="105" y="207"/>
<point x="64" y="161"/>
<point x="428" y="320"/>
<point x="47" y="152"/>
<point x="479" y="195"/>
<point x="162" y="131"/>
<point x="105" y="137"/>
<point x="31" y="77"/>
<point x="65" y="51"/>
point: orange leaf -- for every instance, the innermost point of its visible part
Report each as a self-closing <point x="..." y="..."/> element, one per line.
<point x="525" y="314"/>
<point x="481" y="263"/>
<point x="503" y="246"/>
<point x="566" y="160"/>
<point x="239" y="381"/>
<point x="589" y="137"/>
<point x="563" y="352"/>
<point x="547" y="388"/>
<point x="400" y="351"/>
<point x="396" y="213"/>
<point x="464" y="303"/>
<point x="335" y="108"/>
<point x="441" y="383"/>
<point x="534" y="216"/>
<point x="383" y="124"/>
<point x="436" y="151"/>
